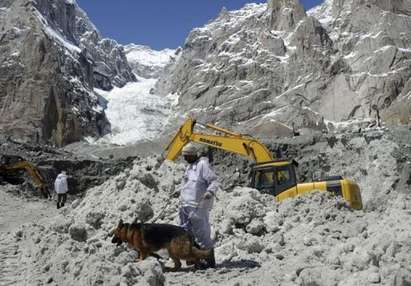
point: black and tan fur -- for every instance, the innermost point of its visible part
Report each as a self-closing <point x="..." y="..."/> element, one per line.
<point x="148" y="238"/>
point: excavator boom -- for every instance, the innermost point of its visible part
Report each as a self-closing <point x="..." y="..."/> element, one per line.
<point x="230" y="141"/>
<point x="30" y="169"/>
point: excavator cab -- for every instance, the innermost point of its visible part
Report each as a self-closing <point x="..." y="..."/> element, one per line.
<point x="273" y="177"/>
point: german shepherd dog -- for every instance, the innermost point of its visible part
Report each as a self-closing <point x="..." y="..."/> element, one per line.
<point x="148" y="238"/>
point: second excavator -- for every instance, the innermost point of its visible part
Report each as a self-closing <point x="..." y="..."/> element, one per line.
<point x="276" y="177"/>
<point x="15" y="164"/>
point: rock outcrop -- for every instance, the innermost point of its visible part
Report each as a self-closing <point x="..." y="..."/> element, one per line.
<point x="271" y="65"/>
<point x="51" y="59"/>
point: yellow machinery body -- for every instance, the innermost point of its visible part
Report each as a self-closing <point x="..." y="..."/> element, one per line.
<point x="276" y="177"/>
<point x="31" y="170"/>
<point x="279" y="179"/>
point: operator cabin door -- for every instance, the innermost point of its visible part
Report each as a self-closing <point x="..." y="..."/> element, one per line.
<point x="284" y="178"/>
<point x="274" y="179"/>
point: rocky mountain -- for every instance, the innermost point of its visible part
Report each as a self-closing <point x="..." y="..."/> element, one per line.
<point x="269" y="66"/>
<point x="51" y="58"/>
<point x="261" y="69"/>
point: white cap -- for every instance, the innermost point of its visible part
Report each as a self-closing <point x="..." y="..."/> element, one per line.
<point x="190" y="149"/>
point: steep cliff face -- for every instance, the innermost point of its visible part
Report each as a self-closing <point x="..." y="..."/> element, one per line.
<point x="373" y="46"/>
<point x="267" y="67"/>
<point x="51" y="59"/>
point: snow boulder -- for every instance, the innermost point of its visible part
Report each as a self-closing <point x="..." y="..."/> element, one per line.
<point x="94" y="218"/>
<point x="78" y="232"/>
<point x="147" y="272"/>
<point x="61" y="224"/>
<point x="245" y="206"/>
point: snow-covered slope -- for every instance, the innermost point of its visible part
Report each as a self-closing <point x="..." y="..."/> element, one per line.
<point x="146" y="62"/>
<point x="134" y="113"/>
<point x="323" y="13"/>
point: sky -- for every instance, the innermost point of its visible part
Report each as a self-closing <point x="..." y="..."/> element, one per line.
<point x="158" y="23"/>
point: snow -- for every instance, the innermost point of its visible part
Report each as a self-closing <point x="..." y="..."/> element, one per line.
<point x="71" y="47"/>
<point x="235" y="18"/>
<point x="324" y="15"/>
<point x="289" y="90"/>
<point x="384" y="49"/>
<point x="377" y="35"/>
<point x="15" y="54"/>
<point x="326" y="20"/>
<point x="350" y="55"/>
<point x="173" y="98"/>
<point x="146" y="56"/>
<point x="56" y="35"/>
<point x="274" y="113"/>
<point x="135" y="114"/>
<point x="310" y="240"/>
<point x="363" y="37"/>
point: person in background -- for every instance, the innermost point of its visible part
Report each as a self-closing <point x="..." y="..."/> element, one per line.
<point x="61" y="188"/>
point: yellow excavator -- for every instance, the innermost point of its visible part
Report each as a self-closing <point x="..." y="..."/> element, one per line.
<point x="276" y="177"/>
<point x="19" y="165"/>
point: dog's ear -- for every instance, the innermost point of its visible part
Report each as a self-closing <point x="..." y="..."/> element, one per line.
<point x="120" y="223"/>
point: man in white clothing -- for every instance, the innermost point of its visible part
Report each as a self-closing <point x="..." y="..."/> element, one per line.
<point x="61" y="188"/>
<point x="196" y="199"/>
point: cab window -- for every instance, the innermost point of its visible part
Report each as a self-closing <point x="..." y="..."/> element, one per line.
<point x="264" y="179"/>
<point x="285" y="179"/>
<point x="283" y="176"/>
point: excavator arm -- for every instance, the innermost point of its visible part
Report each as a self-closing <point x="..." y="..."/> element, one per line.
<point x="32" y="171"/>
<point x="29" y="168"/>
<point x="229" y="141"/>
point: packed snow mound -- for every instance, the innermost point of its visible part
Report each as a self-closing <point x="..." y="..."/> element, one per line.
<point x="72" y="249"/>
<point x="313" y="239"/>
<point x="135" y="113"/>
